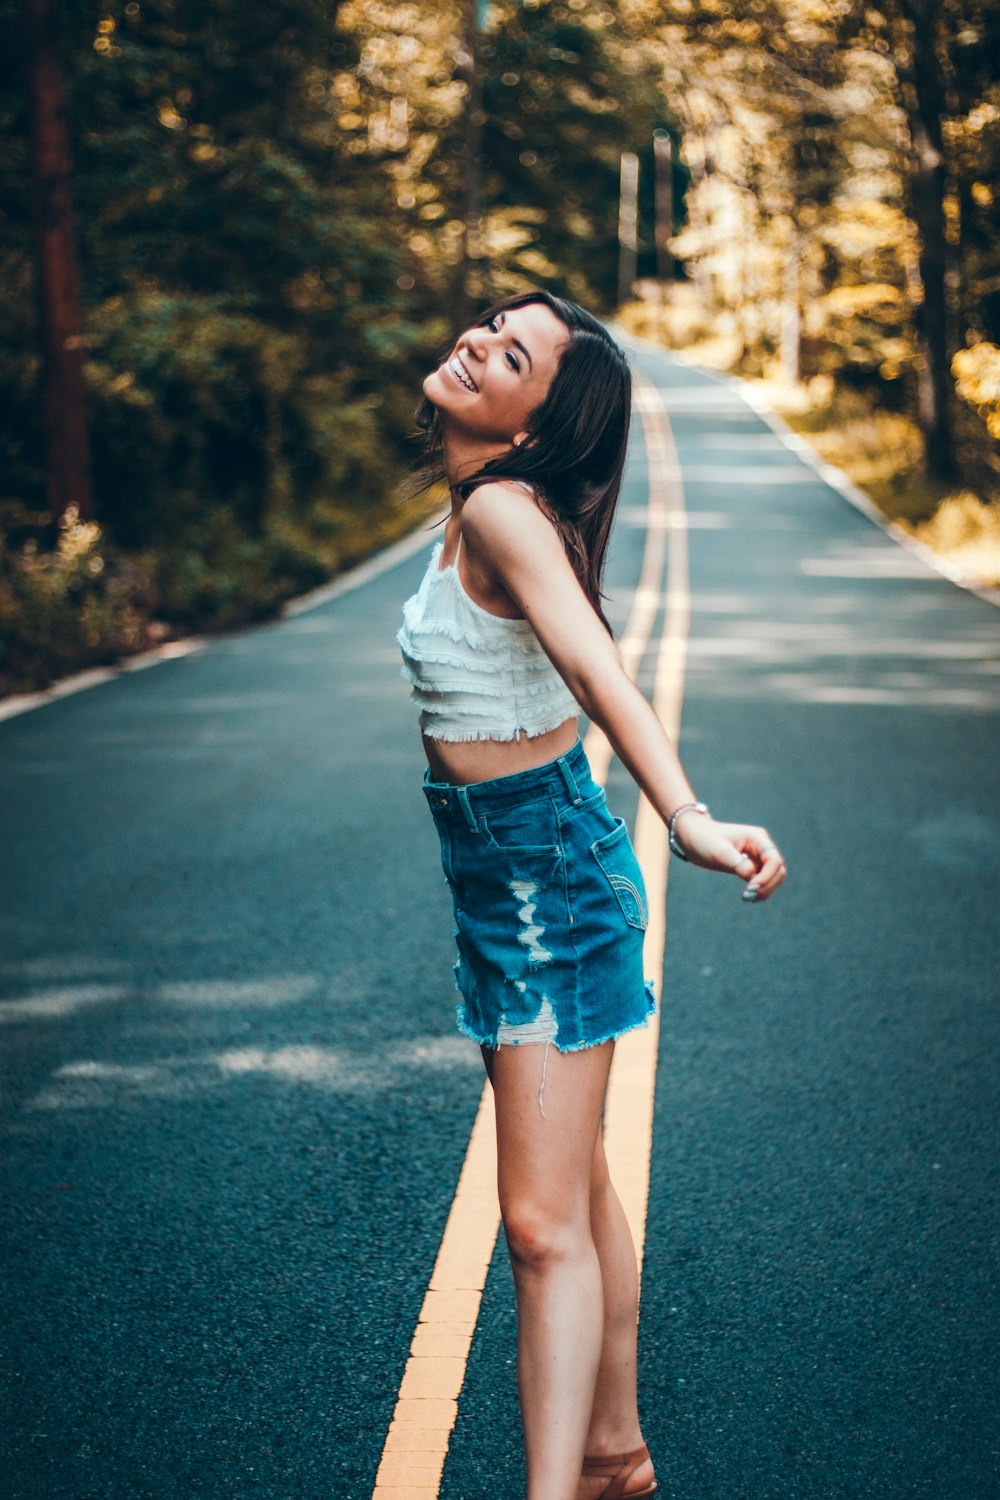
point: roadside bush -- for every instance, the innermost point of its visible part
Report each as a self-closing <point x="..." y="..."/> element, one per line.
<point x="75" y="606"/>
<point x="88" y="602"/>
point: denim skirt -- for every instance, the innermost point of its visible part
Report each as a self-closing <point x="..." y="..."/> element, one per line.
<point x="550" y="907"/>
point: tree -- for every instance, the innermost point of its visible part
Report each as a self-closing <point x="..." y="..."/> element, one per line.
<point x="56" y="274"/>
<point x="565" y="92"/>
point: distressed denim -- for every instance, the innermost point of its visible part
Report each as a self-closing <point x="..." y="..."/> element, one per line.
<point x="550" y="906"/>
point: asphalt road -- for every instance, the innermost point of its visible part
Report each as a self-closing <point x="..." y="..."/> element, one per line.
<point x="234" y="1105"/>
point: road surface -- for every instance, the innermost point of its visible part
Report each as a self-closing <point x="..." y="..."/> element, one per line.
<point x="234" y="1106"/>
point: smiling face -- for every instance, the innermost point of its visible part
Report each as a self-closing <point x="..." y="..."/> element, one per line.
<point x="497" y="374"/>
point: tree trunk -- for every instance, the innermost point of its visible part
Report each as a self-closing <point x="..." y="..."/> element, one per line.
<point x="922" y="88"/>
<point x="57" y="278"/>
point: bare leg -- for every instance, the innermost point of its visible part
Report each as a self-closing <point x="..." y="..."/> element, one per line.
<point x="614" y="1420"/>
<point x="544" y="1179"/>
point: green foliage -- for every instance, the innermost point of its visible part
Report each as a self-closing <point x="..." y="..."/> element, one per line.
<point x="270" y="207"/>
<point x="67" y="607"/>
<point x="561" y="101"/>
<point x="236" y="271"/>
<point x="226" y="413"/>
<point x="256" y="327"/>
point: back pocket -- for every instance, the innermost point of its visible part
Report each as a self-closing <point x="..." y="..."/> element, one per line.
<point x="616" y="857"/>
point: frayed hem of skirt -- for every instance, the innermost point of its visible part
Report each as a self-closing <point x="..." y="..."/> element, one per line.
<point x="494" y="1045"/>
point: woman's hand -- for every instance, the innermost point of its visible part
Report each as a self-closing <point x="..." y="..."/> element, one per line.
<point x="737" y="848"/>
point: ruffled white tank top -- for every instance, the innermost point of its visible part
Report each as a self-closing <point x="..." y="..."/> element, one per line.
<point x="473" y="674"/>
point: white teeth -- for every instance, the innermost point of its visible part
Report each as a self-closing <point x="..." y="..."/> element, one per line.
<point x="457" y="368"/>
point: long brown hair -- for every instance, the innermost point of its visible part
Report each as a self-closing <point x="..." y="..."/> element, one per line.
<point x="574" y="454"/>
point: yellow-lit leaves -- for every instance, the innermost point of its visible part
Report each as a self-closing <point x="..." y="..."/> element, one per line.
<point x="977" y="372"/>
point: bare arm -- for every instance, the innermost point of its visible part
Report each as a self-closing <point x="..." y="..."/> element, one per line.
<point x="511" y="537"/>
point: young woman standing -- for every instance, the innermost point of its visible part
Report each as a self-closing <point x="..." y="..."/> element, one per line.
<point x="504" y="642"/>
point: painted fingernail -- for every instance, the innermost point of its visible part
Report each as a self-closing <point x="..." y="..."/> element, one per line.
<point x="750" y="894"/>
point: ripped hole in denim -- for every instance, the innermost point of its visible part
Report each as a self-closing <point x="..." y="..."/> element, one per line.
<point x="542" y="1029"/>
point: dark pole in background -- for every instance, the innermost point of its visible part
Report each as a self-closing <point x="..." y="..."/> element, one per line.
<point x="663" y="158"/>
<point x="57" y="279"/>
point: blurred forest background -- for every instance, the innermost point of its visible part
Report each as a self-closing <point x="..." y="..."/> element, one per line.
<point x="280" y="213"/>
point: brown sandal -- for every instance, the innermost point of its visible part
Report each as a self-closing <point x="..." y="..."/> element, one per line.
<point x="618" y="1468"/>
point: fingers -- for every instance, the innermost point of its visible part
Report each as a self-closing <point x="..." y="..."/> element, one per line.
<point x="747" y="852"/>
<point x="768" y="871"/>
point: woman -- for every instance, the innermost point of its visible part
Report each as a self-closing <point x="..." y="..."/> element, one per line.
<point x="527" y="417"/>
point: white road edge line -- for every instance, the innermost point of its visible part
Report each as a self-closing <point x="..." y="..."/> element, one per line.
<point x="830" y="473"/>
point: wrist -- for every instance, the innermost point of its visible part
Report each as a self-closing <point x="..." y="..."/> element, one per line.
<point x="676" y="847"/>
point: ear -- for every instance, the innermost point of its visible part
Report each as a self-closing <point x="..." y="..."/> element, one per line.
<point x="519" y="438"/>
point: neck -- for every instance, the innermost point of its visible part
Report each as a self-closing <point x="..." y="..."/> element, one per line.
<point x="465" y="454"/>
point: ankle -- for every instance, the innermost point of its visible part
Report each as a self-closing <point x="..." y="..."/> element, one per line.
<point x="601" y="1442"/>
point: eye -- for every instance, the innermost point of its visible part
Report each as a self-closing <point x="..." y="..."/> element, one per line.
<point x="494" y="325"/>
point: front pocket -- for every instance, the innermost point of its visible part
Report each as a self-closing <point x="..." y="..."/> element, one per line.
<point x="532" y="828"/>
<point x="616" y="857"/>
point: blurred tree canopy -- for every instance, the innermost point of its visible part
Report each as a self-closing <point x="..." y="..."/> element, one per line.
<point x="844" y="202"/>
<point x="270" y="206"/>
<point x="269" y="211"/>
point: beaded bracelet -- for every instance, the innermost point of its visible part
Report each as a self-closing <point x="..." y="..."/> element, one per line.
<point x="672" y="839"/>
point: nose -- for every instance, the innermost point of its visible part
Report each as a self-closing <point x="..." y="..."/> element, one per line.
<point x="474" y="341"/>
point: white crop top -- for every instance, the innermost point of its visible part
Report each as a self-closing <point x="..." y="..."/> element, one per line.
<point x="475" y="675"/>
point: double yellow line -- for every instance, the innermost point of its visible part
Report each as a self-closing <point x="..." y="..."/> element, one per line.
<point x="427" y="1404"/>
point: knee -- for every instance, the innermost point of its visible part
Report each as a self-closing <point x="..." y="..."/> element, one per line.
<point x="537" y="1239"/>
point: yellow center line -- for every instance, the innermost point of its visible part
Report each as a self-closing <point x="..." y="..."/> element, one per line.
<point x="426" y="1408"/>
<point x="628" y="1118"/>
<point x="649" y="590"/>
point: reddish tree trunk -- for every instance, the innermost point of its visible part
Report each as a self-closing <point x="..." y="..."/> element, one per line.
<point x="57" y="277"/>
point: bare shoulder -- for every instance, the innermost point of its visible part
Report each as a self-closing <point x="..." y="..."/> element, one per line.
<point x="502" y="517"/>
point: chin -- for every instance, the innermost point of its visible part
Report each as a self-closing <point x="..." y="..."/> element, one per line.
<point x="434" y="386"/>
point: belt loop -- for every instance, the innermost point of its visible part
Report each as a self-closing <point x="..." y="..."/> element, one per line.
<point x="463" y="801"/>
<point x="570" y="780"/>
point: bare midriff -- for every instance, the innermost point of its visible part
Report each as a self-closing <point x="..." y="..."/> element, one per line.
<point x="461" y="762"/>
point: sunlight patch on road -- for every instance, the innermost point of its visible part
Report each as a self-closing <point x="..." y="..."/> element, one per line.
<point x="91" y="1083"/>
<point x="62" y="966"/>
<point x="55" y="1004"/>
<point x="234" y="994"/>
<point x="308" y="1064"/>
